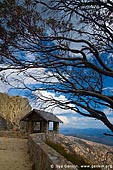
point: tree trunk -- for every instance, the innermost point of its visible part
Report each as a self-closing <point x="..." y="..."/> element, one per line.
<point x="108" y="124"/>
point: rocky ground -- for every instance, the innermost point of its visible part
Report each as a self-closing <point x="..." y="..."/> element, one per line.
<point x="97" y="154"/>
<point x="14" y="154"/>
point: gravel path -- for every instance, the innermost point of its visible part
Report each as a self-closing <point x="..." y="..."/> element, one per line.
<point x="13" y="154"/>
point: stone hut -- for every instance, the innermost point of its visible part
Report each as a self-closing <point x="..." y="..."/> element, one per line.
<point x="37" y="121"/>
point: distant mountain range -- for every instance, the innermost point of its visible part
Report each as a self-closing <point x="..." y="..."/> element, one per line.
<point x="95" y="135"/>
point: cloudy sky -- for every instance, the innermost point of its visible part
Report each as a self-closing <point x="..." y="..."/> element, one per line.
<point x="70" y="118"/>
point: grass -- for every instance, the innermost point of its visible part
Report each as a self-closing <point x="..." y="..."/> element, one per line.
<point x="72" y="157"/>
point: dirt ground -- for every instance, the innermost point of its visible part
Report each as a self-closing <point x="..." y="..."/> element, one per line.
<point x="14" y="155"/>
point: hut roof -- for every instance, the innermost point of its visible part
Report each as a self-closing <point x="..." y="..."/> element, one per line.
<point x="45" y="115"/>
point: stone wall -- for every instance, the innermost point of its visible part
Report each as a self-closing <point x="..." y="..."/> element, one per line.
<point x="99" y="155"/>
<point x="44" y="157"/>
<point x="13" y="134"/>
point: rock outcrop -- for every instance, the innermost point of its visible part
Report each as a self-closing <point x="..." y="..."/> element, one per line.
<point x="98" y="155"/>
<point x="12" y="109"/>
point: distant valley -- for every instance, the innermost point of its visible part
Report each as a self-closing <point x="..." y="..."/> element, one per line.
<point x="95" y="135"/>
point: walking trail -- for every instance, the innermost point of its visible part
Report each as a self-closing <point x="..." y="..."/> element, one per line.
<point x="14" y="154"/>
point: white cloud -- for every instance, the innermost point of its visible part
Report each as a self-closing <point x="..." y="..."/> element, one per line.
<point x="30" y="56"/>
<point x="48" y="95"/>
<point x="13" y="78"/>
<point x="81" y="122"/>
<point x="111" y="120"/>
<point x="64" y="119"/>
<point x="31" y="76"/>
<point x="3" y="87"/>
<point x="61" y="111"/>
<point x="72" y="120"/>
<point x="108" y="111"/>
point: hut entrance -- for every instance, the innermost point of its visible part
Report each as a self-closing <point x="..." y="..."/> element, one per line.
<point x="37" y="127"/>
